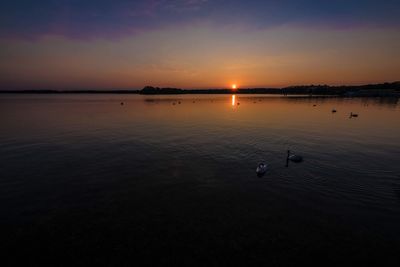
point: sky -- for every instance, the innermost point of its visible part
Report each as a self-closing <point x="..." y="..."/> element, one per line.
<point x="103" y="44"/>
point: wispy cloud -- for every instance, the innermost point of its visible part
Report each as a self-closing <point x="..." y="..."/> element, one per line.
<point x="120" y="18"/>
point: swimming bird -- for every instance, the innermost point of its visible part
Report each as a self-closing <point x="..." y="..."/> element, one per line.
<point x="261" y="169"/>
<point x="122" y="103"/>
<point x="353" y="115"/>
<point x="293" y="157"/>
<point x="334" y="111"/>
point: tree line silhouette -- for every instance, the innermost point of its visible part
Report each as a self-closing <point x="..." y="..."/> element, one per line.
<point x="383" y="89"/>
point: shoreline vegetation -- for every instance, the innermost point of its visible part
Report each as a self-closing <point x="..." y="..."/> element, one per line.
<point x="370" y="90"/>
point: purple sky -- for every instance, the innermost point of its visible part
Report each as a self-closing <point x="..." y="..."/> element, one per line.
<point x="133" y="43"/>
<point x="110" y="19"/>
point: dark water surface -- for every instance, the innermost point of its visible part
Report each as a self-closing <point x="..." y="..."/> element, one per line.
<point x="86" y="180"/>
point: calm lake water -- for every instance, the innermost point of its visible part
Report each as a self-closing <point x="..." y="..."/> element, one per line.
<point x="170" y="180"/>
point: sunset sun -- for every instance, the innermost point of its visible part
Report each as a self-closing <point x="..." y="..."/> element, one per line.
<point x="234" y="86"/>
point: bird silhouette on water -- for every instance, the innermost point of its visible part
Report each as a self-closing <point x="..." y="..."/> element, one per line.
<point x="293" y="158"/>
<point x="353" y="115"/>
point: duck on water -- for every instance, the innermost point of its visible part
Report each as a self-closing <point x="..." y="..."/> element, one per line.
<point x="353" y="115"/>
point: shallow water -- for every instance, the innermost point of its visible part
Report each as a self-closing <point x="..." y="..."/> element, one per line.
<point x="171" y="180"/>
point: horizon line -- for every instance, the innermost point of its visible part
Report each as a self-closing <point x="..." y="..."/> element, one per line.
<point x="192" y="88"/>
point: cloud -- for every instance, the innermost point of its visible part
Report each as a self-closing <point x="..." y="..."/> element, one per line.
<point x="121" y="18"/>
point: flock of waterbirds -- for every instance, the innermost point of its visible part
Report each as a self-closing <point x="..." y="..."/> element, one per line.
<point x="263" y="167"/>
<point x="352" y="115"/>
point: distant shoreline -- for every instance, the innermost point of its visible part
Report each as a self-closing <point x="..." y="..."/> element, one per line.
<point x="69" y="91"/>
<point x="370" y="90"/>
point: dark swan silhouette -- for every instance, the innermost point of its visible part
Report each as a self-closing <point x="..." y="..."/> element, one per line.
<point x="293" y="158"/>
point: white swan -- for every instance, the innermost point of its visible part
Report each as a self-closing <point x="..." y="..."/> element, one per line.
<point x="261" y="168"/>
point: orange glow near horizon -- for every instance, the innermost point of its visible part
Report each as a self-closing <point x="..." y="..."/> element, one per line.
<point x="201" y="56"/>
